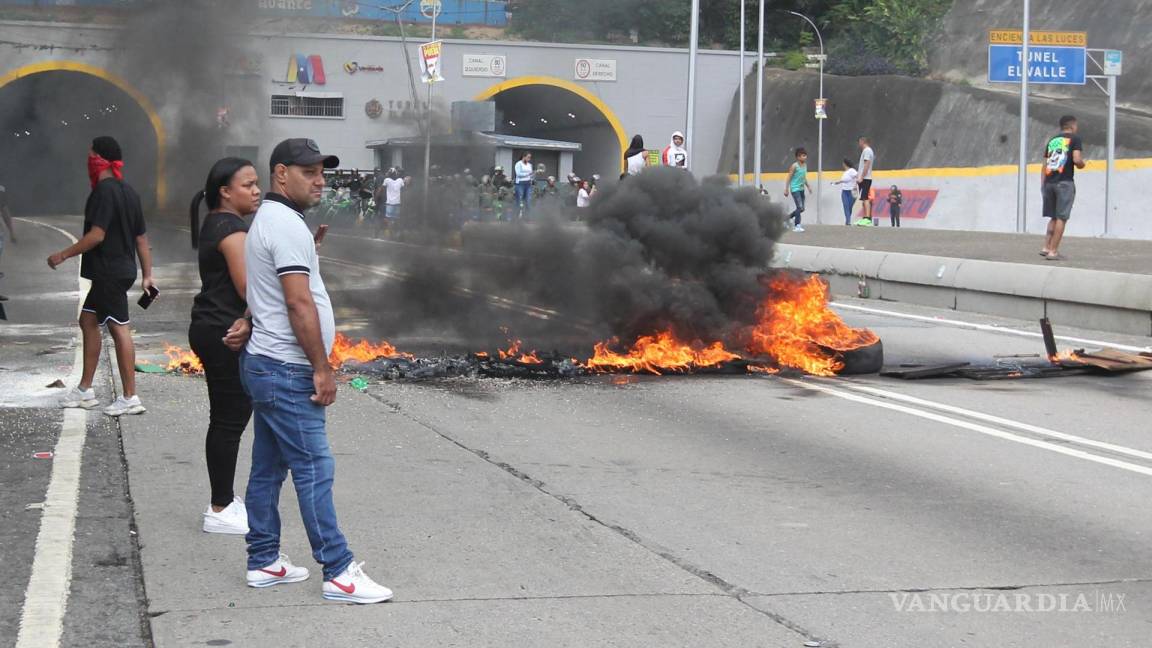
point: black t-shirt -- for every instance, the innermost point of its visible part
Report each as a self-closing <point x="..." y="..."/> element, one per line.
<point x="217" y="304"/>
<point x="1058" y="164"/>
<point x="114" y="207"/>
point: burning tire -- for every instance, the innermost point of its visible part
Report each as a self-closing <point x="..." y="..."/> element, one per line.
<point x="862" y="360"/>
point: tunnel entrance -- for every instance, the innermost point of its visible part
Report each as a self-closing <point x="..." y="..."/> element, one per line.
<point x="557" y="110"/>
<point x="47" y="122"/>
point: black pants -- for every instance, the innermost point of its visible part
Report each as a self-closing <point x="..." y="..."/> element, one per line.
<point x="230" y="408"/>
<point x="895" y="211"/>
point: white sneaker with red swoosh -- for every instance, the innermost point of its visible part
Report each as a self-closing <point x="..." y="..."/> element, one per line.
<point x="354" y="586"/>
<point x="281" y="571"/>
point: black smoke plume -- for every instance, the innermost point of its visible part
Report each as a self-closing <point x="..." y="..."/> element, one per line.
<point x="657" y="251"/>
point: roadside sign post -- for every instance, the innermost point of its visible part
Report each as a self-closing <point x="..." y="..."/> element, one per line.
<point x="430" y="9"/>
<point x="1110" y="64"/>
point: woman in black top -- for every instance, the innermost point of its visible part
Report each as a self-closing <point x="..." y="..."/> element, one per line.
<point x="219" y="329"/>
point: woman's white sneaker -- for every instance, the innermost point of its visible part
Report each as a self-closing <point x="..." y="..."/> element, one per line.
<point x="122" y="406"/>
<point x="232" y="520"/>
<point x="354" y="586"/>
<point x="79" y="398"/>
<point x="281" y="571"/>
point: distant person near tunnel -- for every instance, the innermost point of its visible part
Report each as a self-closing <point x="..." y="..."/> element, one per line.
<point x="797" y="187"/>
<point x="1062" y="156"/>
<point x="848" y="189"/>
<point x="524" y="176"/>
<point x="865" y="168"/>
<point x="675" y="155"/>
<point x="114" y="236"/>
<point x="895" y="202"/>
<point x="636" y="157"/>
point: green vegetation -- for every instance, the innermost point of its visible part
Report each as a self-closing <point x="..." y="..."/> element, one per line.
<point x="862" y="36"/>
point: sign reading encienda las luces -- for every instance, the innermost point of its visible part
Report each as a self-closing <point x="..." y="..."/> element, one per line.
<point x="1049" y="65"/>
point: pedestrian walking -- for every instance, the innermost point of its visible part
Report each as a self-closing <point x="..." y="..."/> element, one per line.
<point x="1063" y="154"/>
<point x="284" y="369"/>
<point x="6" y="214"/>
<point x="220" y="328"/>
<point x="895" y="201"/>
<point x="636" y="157"/>
<point x="114" y="237"/>
<point x="849" y="189"/>
<point x="797" y="186"/>
<point x="524" y="176"/>
<point x="867" y="162"/>
<point x="675" y="155"/>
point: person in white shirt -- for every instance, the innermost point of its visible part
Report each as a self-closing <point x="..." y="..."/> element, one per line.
<point x="636" y="157"/>
<point x="524" y="174"/>
<point x="675" y="155"/>
<point x="867" y="162"/>
<point x="848" y="189"/>
<point x="584" y="196"/>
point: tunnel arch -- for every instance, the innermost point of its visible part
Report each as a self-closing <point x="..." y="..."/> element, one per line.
<point x="610" y="120"/>
<point x="142" y="102"/>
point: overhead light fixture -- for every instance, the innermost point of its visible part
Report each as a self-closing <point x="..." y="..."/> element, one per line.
<point x="543" y="121"/>
<point x="511" y="123"/>
<point x="572" y="116"/>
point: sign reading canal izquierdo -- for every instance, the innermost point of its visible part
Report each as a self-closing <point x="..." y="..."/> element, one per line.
<point x="1058" y="58"/>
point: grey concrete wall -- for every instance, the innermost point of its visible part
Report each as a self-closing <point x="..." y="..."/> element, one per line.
<point x="648" y="96"/>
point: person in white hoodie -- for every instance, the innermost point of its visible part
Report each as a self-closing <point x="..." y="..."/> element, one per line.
<point x="675" y="155"/>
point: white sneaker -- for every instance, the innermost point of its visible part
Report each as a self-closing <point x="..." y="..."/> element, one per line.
<point x="122" y="406"/>
<point x="81" y="398"/>
<point x="233" y="520"/>
<point x="797" y="229"/>
<point x="354" y="586"/>
<point x="281" y="571"/>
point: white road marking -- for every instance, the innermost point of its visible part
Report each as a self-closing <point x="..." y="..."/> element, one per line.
<point x="968" y="425"/>
<point x="46" y="599"/>
<point x="988" y="327"/>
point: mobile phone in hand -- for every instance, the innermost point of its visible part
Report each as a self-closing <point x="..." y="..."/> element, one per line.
<point x="320" y="233"/>
<point x="147" y="298"/>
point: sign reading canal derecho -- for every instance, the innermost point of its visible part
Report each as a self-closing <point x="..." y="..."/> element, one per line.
<point x="595" y="69"/>
<point x="1057" y="58"/>
<point x="484" y="65"/>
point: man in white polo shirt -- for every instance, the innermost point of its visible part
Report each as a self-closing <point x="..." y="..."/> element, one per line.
<point x="285" y="370"/>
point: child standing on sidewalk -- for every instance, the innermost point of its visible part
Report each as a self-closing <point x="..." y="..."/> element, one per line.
<point x="797" y="186"/>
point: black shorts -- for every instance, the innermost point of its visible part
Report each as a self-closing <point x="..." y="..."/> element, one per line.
<point x="108" y="300"/>
<point x="865" y="189"/>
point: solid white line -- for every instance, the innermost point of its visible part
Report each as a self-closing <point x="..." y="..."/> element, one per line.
<point x="989" y="418"/>
<point x="975" y="427"/>
<point x="988" y="327"/>
<point x="46" y="599"/>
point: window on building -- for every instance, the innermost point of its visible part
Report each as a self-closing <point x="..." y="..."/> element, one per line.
<point x="314" y="105"/>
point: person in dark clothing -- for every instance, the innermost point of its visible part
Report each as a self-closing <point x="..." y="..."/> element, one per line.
<point x="114" y="236"/>
<point x="895" y="201"/>
<point x="636" y="157"/>
<point x="219" y="329"/>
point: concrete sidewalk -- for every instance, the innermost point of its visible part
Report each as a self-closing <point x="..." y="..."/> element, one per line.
<point x="1105" y="284"/>
<point x="1110" y="255"/>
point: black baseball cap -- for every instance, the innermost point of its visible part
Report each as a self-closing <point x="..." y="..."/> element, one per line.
<point x="301" y="151"/>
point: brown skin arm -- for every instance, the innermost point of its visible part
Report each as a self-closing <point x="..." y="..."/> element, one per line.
<point x="94" y="237"/>
<point x="144" y="251"/>
<point x="305" y="321"/>
<point x="232" y="247"/>
<point x="1078" y="159"/>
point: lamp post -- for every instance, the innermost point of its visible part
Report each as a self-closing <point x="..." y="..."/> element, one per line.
<point x="1022" y="173"/>
<point x="819" y="122"/>
<point x="693" y="46"/>
<point x="759" y="131"/>
<point x="740" y="164"/>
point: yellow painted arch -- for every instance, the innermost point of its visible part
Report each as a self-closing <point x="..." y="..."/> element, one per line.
<point x="143" y="101"/>
<point x="575" y="89"/>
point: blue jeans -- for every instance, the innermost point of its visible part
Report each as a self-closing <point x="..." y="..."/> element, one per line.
<point x="523" y="195"/>
<point x="798" y="197"/>
<point x="289" y="435"/>
<point x="848" y="200"/>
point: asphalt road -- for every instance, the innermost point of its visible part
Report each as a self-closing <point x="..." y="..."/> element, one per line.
<point x="648" y="511"/>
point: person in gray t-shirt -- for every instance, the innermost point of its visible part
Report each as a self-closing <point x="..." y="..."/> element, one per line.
<point x="285" y="371"/>
<point x="867" y="162"/>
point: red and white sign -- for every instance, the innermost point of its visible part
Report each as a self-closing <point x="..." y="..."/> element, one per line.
<point x="430" y="57"/>
<point x="484" y="65"/>
<point x="595" y="69"/>
<point x="917" y="203"/>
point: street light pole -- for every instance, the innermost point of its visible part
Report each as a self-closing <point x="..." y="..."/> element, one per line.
<point x="819" y="122"/>
<point x="428" y="131"/>
<point x="740" y="136"/>
<point x="693" y="46"/>
<point x="756" y="156"/>
<point x="1022" y="173"/>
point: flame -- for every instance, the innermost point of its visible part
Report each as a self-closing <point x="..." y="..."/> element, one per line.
<point x="514" y="353"/>
<point x="1064" y="356"/>
<point x="658" y="353"/>
<point x="798" y="329"/>
<point x="344" y="350"/>
<point x="181" y="361"/>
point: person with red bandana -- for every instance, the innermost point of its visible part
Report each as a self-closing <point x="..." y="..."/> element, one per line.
<point x="114" y="236"/>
